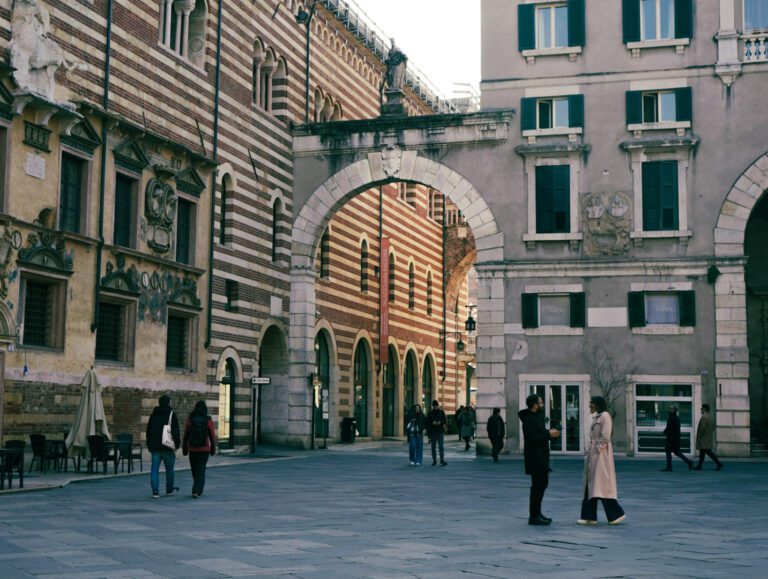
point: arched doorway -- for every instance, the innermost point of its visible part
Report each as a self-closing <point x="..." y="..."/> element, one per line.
<point x="225" y="431"/>
<point x="321" y="390"/>
<point x="410" y="378"/>
<point x="361" y="386"/>
<point x="388" y="397"/>
<point x="427" y="394"/>
<point x="272" y="398"/>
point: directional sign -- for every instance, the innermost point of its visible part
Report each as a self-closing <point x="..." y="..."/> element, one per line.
<point x="259" y="380"/>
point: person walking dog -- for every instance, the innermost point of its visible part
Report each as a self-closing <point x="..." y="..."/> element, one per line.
<point x="672" y="432"/>
<point x="199" y="443"/>
<point x="599" y="470"/>
<point x="705" y="435"/>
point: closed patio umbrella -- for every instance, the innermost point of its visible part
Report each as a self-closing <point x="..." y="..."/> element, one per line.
<point x="90" y="418"/>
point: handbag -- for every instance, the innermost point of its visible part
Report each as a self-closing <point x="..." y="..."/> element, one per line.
<point x="167" y="440"/>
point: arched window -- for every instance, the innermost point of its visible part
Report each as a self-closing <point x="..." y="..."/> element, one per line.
<point x="391" y="278"/>
<point x="364" y="266"/>
<point x="337" y="114"/>
<point x="277" y="210"/>
<point x="426" y="383"/>
<point x="266" y="72"/>
<point x="429" y="293"/>
<point x="327" y="111"/>
<point x="226" y="184"/>
<point x="225" y="430"/>
<point x="325" y="257"/>
<point x="182" y="28"/>
<point x="411" y="287"/>
<point x="280" y="88"/>
<point x="258" y="58"/>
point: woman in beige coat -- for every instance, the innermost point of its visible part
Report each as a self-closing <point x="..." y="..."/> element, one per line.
<point x="599" y="472"/>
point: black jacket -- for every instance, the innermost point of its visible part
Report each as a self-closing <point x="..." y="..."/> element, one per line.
<point x="436" y="416"/>
<point x="495" y="426"/>
<point x="421" y="422"/>
<point x="536" y="438"/>
<point x="157" y="420"/>
<point x="673" y="432"/>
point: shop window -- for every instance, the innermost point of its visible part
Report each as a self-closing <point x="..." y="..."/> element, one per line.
<point x="652" y="404"/>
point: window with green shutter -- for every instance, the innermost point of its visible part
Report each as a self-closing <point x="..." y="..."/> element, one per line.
<point x="555" y="25"/>
<point x="530" y="310"/>
<point x="526" y="27"/>
<point x="636" y="309"/>
<point x="671" y="308"/>
<point x="687" y="308"/>
<point x="661" y="106"/>
<point x="71" y="195"/>
<point x="650" y="20"/>
<point x="553" y="199"/>
<point x="630" y="14"/>
<point x="660" y="198"/>
<point x="578" y="310"/>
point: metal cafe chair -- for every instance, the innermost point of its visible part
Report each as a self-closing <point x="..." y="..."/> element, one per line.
<point x="100" y="452"/>
<point x="13" y="458"/>
<point x="43" y="452"/>
<point x="128" y="451"/>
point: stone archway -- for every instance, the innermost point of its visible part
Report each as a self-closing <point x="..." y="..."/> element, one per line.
<point x="732" y="355"/>
<point x="395" y="164"/>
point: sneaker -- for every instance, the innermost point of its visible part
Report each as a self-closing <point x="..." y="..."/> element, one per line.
<point x="195" y="496"/>
<point x="172" y="492"/>
<point x="617" y="521"/>
<point x="540" y="521"/>
<point x="413" y="463"/>
<point x="586" y="522"/>
<point x="155" y="495"/>
<point x="418" y="464"/>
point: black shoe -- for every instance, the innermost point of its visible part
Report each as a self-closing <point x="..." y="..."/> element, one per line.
<point x="434" y="462"/>
<point x="539" y="520"/>
<point x="719" y="466"/>
<point x="443" y="463"/>
<point x="172" y="492"/>
<point x="495" y="459"/>
<point x="690" y="466"/>
<point x="667" y="469"/>
<point x="548" y="519"/>
<point x="697" y="468"/>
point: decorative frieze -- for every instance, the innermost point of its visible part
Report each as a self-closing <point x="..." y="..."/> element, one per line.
<point x="159" y="216"/>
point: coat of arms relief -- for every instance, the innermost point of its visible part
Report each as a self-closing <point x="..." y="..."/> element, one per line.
<point x="607" y="219"/>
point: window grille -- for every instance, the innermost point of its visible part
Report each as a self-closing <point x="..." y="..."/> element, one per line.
<point x="71" y="192"/>
<point x="176" y="348"/>
<point x="111" y="332"/>
<point x="38" y="314"/>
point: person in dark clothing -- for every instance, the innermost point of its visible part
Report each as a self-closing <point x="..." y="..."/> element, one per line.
<point x="162" y="415"/>
<point x="200" y="443"/>
<point x="417" y="422"/>
<point x="672" y="432"/>
<point x="436" y="423"/>
<point x="536" y="454"/>
<point x="705" y="436"/>
<point x="495" y="428"/>
<point x="457" y="418"/>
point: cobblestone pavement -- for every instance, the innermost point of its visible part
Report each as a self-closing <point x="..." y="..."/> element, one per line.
<point x="362" y="511"/>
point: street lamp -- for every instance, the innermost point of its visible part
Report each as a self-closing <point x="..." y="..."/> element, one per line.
<point x="460" y="345"/>
<point x="305" y="18"/>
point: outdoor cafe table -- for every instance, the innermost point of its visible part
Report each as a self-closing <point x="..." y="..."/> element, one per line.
<point x="7" y="459"/>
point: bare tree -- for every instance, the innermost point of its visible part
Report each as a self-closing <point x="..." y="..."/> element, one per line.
<point x="608" y="375"/>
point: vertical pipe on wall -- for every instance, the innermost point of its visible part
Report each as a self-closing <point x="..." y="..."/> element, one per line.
<point x="443" y="284"/>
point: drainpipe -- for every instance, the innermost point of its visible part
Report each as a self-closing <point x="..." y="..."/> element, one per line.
<point x="103" y="176"/>
<point x="445" y="334"/>
<point x="215" y="155"/>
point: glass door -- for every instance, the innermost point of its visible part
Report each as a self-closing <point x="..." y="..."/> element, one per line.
<point x="562" y="411"/>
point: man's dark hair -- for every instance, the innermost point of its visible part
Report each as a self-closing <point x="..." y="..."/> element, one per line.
<point x="165" y="400"/>
<point x="531" y="400"/>
<point x="435" y="403"/>
<point x="600" y="404"/>
<point x="705" y="407"/>
<point x="496" y="410"/>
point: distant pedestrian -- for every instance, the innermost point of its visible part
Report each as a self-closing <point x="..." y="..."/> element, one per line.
<point x="161" y="416"/>
<point x="672" y="432"/>
<point x="457" y="418"/>
<point x="474" y="419"/>
<point x="496" y="431"/>
<point x="467" y="427"/>
<point x="536" y="439"/>
<point x="200" y="443"/>
<point x="705" y="435"/>
<point x="436" y="423"/>
<point x="415" y="431"/>
<point x="599" y="470"/>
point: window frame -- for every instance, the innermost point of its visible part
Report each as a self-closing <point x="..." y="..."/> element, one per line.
<point x="191" y="319"/>
<point x="128" y="346"/>
<point x="753" y="31"/>
<point x="56" y="333"/>
<point x="577" y="313"/>
<point x="192" y="231"/>
<point x="133" y="211"/>
<point x="687" y="314"/>
<point x="657" y="22"/>
<point x="528" y="29"/>
<point x="169" y="29"/>
<point x="85" y="188"/>
<point x="552" y="7"/>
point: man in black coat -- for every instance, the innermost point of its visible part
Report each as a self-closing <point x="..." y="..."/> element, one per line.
<point x="162" y="415"/>
<point x="436" y="423"/>
<point x="536" y="453"/>
<point x="672" y="431"/>
<point x="495" y="428"/>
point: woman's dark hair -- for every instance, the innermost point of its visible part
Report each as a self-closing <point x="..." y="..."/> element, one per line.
<point x="200" y="408"/>
<point x="415" y="406"/>
<point x="600" y="403"/>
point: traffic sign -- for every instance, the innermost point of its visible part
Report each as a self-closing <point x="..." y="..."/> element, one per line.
<point x="260" y="380"/>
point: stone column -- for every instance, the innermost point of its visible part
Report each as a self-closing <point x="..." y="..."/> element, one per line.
<point x="167" y="8"/>
<point x="728" y="65"/>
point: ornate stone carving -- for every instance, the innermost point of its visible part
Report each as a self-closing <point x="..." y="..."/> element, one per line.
<point x="121" y="280"/>
<point x="607" y="223"/>
<point x="159" y="216"/>
<point x="390" y="160"/>
<point x="47" y="249"/>
<point x="161" y="288"/>
<point x="9" y="240"/>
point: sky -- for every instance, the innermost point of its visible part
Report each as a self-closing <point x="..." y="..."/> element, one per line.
<point x="440" y="37"/>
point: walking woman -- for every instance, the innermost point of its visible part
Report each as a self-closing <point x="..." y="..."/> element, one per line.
<point x="599" y="471"/>
<point x="467" y="429"/>
<point x="415" y="430"/>
<point x="200" y="442"/>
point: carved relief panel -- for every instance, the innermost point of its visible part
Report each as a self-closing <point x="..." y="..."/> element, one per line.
<point x="607" y="219"/>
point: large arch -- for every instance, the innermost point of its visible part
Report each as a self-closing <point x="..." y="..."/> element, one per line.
<point x="391" y="164"/>
<point x="732" y="356"/>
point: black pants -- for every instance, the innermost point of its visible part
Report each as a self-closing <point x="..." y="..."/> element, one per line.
<point x="497" y="443"/>
<point x="539" y="484"/>
<point x="197" y="462"/>
<point x="612" y="508"/>
<point x="707" y="452"/>
<point x="676" y="452"/>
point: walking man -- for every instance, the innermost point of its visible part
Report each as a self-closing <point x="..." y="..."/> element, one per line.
<point x="495" y="428"/>
<point x="436" y="422"/>
<point x="162" y="415"/>
<point x="536" y="439"/>
<point x="705" y="434"/>
<point x="672" y="431"/>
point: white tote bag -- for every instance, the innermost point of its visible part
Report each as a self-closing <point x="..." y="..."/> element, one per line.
<point x="168" y="441"/>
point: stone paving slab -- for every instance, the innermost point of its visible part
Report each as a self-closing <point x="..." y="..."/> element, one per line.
<point x="361" y="511"/>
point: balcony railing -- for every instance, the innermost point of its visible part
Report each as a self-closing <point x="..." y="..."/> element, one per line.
<point x="755" y="47"/>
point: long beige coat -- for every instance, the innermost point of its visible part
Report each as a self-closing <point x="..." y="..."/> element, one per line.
<point x="705" y="433"/>
<point x="599" y="472"/>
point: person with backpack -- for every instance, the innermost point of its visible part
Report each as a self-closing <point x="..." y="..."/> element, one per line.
<point x="200" y="443"/>
<point x="415" y="430"/>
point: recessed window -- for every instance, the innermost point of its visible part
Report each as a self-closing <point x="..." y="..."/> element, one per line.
<point x="660" y="196"/>
<point x="755" y="15"/>
<point x="125" y="210"/>
<point x="232" y="294"/>
<point x="180" y="341"/>
<point x="71" y="202"/>
<point x="325" y="254"/>
<point x="657" y="19"/>
<point x="662" y="308"/>
<point x="114" y="335"/>
<point x="277" y="210"/>
<point x="391" y="280"/>
<point x="185" y="228"/>
<point x="183" y="28"/>
<point x="553" y="199"/>
<point x="552" y="113"/>
<point x="659" y="107"/>
<point x="554" y="310"/>
<point x="552" y="26"/>
<point x="44" y="310"/>
<point x="672" y="308"/>
<point x="429" y="294"/>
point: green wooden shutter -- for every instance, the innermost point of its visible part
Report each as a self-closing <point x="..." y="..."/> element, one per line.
<point x="576" y="110"/>
<point x="683" y="18"/>
<point x="687" y="308"/>
<point x="631" y="20"/>
<point x="528" y="114"/>
<point x="526" y="27"/>
<point x="636" y="309"/>
<point x="561" y="198"/>
<point x="544" y="200"/>
<point x="634" y="107"/>
<point x="576" y="23"/>
<point x="684" y="103"/>
<point x="578" y="310"/>
<point x="668" y="195"/>
<point x="652" y="196"/>
<point x="530" y="310"/>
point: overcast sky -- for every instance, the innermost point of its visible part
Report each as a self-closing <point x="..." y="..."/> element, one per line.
<point x="440" y="37"/>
